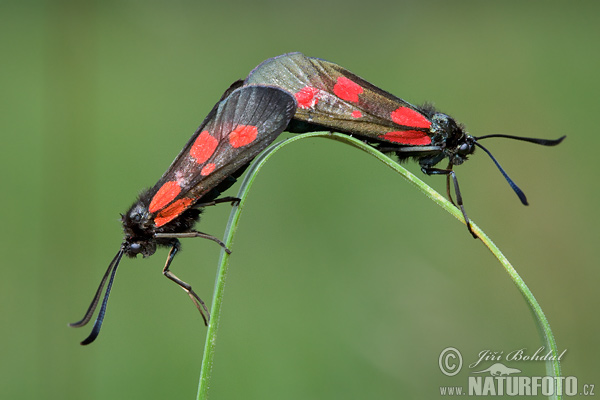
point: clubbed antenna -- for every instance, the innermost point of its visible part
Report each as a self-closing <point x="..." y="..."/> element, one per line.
<point x="513" y="185"/>
<point x="112" y="267"/>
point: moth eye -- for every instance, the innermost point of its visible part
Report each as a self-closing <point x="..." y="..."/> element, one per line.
<point x="464" y="148"/>
<point x="135" y="248"/>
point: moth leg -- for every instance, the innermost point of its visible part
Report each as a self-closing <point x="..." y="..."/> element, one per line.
<point x="185" y="286"/>
<point x="233" y="200"/>
<point x="449" y="192"/>
<point x="192" y="234"/>
<point x="459" y="201"/>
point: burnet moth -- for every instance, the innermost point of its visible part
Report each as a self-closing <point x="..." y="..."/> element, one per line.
<point x="332" y="98"/>
<point x="242" y="124"/>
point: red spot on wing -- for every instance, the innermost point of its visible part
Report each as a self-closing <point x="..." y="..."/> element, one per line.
<point x="307" y="97"/>
<point x="242" y="135"/>
<point x="164" y="196"/>
<point x="407" y="137"/>
<point x="173" y="211"/>
<point x="409" y="117"/>
<point x="204" y="146"/>
<point x="345" y="89"/>
<point x="207" y="169"/>
<point x="356" y="114"/>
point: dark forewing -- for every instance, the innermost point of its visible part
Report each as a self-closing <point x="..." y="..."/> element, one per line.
<point x="334" y="98"/>
<point x="235" y="131"/>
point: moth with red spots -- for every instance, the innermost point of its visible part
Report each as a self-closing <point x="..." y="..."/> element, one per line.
<point x="331" y="98"/>
<point x="244" y="122"/>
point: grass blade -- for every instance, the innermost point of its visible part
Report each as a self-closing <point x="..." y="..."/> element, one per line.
<point x="552" y="366"/>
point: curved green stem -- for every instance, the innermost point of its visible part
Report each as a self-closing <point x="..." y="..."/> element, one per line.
<point x="552" y="366"/>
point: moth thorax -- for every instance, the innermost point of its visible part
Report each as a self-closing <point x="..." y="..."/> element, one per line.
<point x="444" y="127"/>
<point x="137" y="219"/>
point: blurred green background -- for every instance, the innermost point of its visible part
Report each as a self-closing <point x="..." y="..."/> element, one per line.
<point x="345" y="281"/>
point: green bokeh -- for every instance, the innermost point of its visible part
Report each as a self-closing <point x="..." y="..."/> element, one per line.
<point x="345" y="281"/>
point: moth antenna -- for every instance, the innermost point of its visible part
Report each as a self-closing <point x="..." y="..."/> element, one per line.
<point x="512" y="184"/>
<point x="543" y="142"/>
<point x="90" y="311"/>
